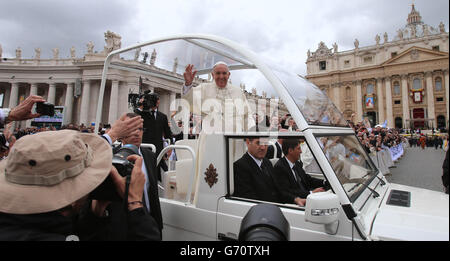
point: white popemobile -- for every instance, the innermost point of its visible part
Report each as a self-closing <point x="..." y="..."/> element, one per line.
<point x="196" y="196"/>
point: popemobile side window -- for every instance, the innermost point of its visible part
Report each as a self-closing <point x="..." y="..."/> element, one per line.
<point x="272" y="169"/>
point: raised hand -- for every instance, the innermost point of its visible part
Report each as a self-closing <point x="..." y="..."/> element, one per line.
<point x="189" y="75"/>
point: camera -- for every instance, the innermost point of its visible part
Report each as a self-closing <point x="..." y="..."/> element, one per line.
<point x="264" y="222"/>
<point x="107" y="190"/>
<point x="150" y="100"/>
<point x="147" y="100"/>
<point x="45" y="108"/>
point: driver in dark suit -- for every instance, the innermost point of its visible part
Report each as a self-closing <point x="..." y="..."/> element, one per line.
<point x="253" y="173"/>
<point x="293" y="184"/>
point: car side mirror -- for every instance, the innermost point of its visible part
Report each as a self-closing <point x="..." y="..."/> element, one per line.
<point x="323" y="208"/>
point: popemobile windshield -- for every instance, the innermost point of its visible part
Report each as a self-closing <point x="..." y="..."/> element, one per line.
<point x="197" y="193"/>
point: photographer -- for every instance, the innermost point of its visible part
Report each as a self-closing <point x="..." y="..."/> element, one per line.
<point x="156" y="125"/>
<point x="45" y="185"/>
<point x="150" y="197"/>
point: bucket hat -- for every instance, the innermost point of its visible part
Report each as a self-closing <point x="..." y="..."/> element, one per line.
<point x="50" y="170"/>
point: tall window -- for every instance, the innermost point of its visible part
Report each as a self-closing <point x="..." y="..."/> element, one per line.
<point x="396" y="88"/>
<point x="438" y="84"/>
<point x="369" y="88"/>
<point x="322" y="65"/>
<point x="417" y="84"/>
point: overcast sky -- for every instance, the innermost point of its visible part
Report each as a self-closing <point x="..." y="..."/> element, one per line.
<point x="281" y="29"/>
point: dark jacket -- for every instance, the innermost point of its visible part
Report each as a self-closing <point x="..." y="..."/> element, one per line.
<point x="152" y="191"/>
<point x="288" y="187"/>
<point x="155" y="129"/>
<point x="52" y="226"/>
<point x="271" y="151"/>
<point x="250" y="182"/>
<point x="445" y="167"/>
<point x="153" y="196"/>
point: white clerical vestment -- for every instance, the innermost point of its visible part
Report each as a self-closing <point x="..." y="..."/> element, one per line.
<point x="222" y="109"/>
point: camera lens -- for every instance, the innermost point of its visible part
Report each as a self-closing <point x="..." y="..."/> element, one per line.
<point x="264" y="222"/>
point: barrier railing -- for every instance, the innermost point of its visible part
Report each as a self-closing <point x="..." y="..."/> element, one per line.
<point x="385" y="158"/>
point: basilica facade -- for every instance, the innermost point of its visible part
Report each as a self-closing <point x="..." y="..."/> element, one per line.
<point x="402" y="81"/>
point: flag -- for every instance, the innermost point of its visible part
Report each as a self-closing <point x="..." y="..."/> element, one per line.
<point x="384" y="124"/>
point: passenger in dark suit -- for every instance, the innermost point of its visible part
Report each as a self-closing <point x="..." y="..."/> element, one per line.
<point x="253" y="174"/>
<point x="291" y="181"/>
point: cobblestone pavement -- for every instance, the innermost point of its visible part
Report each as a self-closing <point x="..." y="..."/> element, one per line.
<point x="419" y="168"/>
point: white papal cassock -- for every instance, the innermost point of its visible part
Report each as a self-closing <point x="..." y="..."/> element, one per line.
<point x="221" y="109"/>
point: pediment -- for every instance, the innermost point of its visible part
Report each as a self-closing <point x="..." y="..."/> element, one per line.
<point x="415" y="54"/>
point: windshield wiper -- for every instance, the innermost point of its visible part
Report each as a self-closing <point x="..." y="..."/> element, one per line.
<point x="375" y="194"/>
<point x="376" y="176"/>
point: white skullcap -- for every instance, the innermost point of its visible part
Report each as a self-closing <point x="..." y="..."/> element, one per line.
<point x="220" y="62"/>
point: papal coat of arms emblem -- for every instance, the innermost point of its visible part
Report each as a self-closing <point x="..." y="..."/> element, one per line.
<point x="211" y="175"/>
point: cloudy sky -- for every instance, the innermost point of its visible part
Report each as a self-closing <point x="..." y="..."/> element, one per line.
<point x="280" y="29"/>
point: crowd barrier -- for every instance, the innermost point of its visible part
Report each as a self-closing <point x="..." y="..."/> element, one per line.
<point x="385" y="158"/>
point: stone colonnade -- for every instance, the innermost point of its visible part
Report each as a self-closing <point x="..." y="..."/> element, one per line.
<point x="82" y="109"/>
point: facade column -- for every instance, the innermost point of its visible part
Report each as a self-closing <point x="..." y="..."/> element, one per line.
<point x="33" y="88"/>
<point x="33" y="91"/>
<point x="51" y="92"/>
<point x="359" y="111"/>
<point x="430" y="98"/>
<point x="173" y="106"/>
<point x="85" y="102"/>
<point x="113" y="101"/>
<point x="337" y="97"/>
<point x="68" y="104"/>
<point x="389" y="113"/>
<point x="14" y="96"/>
<point x="405" y="100"/>
<point x="447" y="93"/>
<point x="381" y="116"/>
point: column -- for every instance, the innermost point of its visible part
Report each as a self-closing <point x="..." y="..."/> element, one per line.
<point x="68" y="104"/>
<point x="85" y="102"/>
<point x="113" y="101"/>
<point x="33" y="91"/>
<point x="33" y="88"/>
<point x="405" y="100"/>
<point x="430" y="98"/>
<point x="389" y="113"/>
<point x="447" y="93"/>
<point x="337" y="97"/>
<point x="381" y="117"/>
<point x="51" y="92"/>
<point x="14" y="96"/>
<point x="359" y="111"/>
<point x="173" y="106"/>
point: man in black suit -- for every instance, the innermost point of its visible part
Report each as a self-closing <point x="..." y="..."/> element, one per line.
<point x="291" y="181"/>
<point x="156" y="125"/>
<point x="253" y="173"/>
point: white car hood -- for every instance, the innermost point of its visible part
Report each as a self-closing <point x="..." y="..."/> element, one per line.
<point x="427" y="218"/>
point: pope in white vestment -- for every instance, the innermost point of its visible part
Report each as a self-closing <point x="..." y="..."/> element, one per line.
<point x="222" y="106"/>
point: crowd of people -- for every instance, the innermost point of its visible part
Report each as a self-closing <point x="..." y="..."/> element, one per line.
<point x="373" y="139"/>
